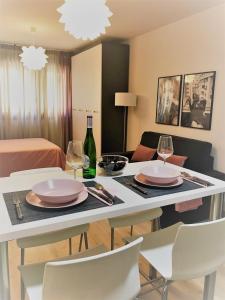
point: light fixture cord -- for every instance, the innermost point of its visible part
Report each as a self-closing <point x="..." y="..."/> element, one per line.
<point x="33" y="31"/>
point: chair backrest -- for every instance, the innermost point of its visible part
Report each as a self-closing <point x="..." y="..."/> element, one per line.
<point x="36" y="171"/>
<point x="109" y="276"/>
<point x="199" y="249"/>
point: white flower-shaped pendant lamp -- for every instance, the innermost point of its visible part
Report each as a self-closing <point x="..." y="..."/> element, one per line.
<point x="33" y="58"/>
<point x="85" y="19"/>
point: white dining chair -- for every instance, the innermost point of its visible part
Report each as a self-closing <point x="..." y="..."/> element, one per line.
<point x="112" y="275"/>
<point x="183" y="252"/>
<point x="134" y="219"/>
<point x="52" y="237"/>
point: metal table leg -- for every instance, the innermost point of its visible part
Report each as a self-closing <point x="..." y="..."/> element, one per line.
<point x="216" y="211"/>
<point x="4" y="272"/>
<point x="223" y="205"/>
<point x="216" y="208"/>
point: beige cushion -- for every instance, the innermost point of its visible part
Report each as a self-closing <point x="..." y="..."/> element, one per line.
<point x="51" y="237"/>
<point x="136" y="218"/>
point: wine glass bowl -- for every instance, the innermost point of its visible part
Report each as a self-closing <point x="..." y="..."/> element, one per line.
<point x="165" y="147"/>
<point x="74" y="155"/>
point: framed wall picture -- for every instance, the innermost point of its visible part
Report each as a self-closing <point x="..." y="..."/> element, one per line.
<point x="197" y="103"/>
<point x="168" y="100"/>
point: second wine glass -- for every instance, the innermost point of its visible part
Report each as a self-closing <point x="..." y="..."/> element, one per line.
<point x="75" y="155"/>
<point x="165" y="147"/>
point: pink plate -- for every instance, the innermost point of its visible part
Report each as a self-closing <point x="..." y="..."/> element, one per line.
<point x="33" y="199"/>
<point x="58" y="190"/>
<point x="141" y="179"/>
<point x="160" y="174"/>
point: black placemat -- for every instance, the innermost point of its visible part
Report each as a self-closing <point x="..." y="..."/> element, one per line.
<point x="156" y="192"/>
<point x="32" y="213"/>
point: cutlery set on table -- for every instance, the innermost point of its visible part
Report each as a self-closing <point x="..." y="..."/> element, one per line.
<point x="101" y="194"/>
<point x="60" y="194"/>
<point x="195" y="179"/>
<point x="160" y="177"/>
<point x="17" y="203"/>
<point x="66" y="193"/>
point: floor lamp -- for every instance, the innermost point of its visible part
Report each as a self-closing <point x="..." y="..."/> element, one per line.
<point x="125" y="100"/>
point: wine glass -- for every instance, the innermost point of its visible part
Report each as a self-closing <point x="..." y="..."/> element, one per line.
<point x="75" y="155"/>
<point x="165" y="147"/>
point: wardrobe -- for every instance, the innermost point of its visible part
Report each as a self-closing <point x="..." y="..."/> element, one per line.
<point x="97" y="74"/>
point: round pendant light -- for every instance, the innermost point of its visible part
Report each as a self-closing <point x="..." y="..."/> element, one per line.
<point x="33" y="58"/>
<point x="85" y="19"/>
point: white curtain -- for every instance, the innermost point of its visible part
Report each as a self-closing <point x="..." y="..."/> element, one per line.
<point x="35" y="103"/>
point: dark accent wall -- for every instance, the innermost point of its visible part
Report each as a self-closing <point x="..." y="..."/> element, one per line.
<point x="115" y="70"/>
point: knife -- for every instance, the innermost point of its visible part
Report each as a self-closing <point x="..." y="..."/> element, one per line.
<point x="99" y="196"/>
<point x="136" y="187"/>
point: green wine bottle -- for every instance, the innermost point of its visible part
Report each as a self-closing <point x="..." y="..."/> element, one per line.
<point x="89" y="168"/>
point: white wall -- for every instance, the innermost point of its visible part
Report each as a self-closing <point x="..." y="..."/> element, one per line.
<point x="87" y="93"/>
<point x="194" y="44"/>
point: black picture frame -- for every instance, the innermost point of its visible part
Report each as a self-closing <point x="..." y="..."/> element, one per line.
<point x="197" y="100"/>
<point x="169" y="100"/>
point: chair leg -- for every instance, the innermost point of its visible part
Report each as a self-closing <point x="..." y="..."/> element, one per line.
<point x="22" y="288"/>
<point x="22" y="256"/>
<point x="86" y="240"/>
<point x="165" y="292"/>
<point x="112" y="238"/>
<point x="81" y="242"/>
<point x="70" y="246"/>
<point x="152" y="273"/>
<point x="156" y="224"/>
<point x="155" y="227"/>
<point x="131" y="230"/>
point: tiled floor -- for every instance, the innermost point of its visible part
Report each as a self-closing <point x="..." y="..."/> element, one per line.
<point x="100" y="233"/>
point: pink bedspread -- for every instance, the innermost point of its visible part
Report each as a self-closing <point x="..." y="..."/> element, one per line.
<point x="25" y="154"/>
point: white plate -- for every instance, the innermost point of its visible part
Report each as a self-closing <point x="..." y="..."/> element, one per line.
<point x="33" y="200"/>
<point x="141" y="179"/>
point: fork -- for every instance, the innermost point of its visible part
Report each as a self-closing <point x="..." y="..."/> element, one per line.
<point x="16" y="202"/>
<point x="100" y="187"/>
<point x="195" y="179"/>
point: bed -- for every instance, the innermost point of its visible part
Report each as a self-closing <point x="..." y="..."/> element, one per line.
<point x="32" y="153"/>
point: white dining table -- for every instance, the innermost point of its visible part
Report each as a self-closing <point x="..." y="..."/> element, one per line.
<point x="132" y="203"/>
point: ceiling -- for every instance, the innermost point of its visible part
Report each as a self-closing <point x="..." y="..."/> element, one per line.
<point x="130" y="18"/>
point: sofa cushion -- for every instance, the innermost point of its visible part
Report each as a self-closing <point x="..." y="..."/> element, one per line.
<point x="177" y="160"/>
<point x="143" y="153"/>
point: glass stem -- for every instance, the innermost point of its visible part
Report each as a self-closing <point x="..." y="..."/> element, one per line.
<point x="75" y="173"/>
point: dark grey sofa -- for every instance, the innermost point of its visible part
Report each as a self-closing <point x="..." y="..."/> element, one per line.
<point x="199" y="159"/>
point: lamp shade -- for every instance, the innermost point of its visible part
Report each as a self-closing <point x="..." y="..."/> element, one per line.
<point x="125" y="99"/>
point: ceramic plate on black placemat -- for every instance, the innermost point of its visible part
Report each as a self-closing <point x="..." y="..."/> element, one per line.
<point x="32" y="199"/>
<point x="141" y="180"/>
